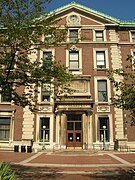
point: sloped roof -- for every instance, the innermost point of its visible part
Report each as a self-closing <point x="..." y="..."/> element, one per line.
<point x="95" y="13"/>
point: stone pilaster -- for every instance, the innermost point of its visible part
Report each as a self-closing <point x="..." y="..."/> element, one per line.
<point x="117" y="63"/>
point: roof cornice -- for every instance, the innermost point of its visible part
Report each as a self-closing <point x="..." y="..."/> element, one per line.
<point x="101" y="15"/>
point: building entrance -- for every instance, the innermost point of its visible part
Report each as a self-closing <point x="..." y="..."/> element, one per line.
<point x="74" y="131"/>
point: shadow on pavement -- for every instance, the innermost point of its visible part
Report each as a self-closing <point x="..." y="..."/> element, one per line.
<point x="38" y="173"/>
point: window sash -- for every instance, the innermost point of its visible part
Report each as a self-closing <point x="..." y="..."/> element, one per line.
<point x="4" y="128"/>
<point x="45" y="92"/>
<point x="47" y="57"/>
<point x="99" y="36"/>
<point x="100" y="59"/>
<point x="102" y="91"/>
<point x="133" y="36"/>
<point x="103" y="121"/>
<point x="73" y="35"/>
<point x="44" y="122"/>
<point x="74" y="60"/>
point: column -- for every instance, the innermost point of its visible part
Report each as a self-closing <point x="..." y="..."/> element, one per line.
<point x="63" y="129"/>
<point x="90" y="131"/>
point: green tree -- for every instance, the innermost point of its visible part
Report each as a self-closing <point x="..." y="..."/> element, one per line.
<point x="26" y="28"/>
<point x="124" y="96"/>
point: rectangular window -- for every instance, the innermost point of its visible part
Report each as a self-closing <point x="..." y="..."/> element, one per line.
<point x="49" y="38"/>
<point x="74" y="59"/>
<point x="4" y="128"/>
<point x="102" y="91"/>
<point x="100" y="59"/>
<point x="6" y="93"/>
<point x="47" y="57"/>
<point x="73" y="35"/>
<point x="99" y="36"/>
<point x="45" y="92"/>
<point x="103" y="124"/>
<point x="133" y="36"/>
<point x="44" y="126"/>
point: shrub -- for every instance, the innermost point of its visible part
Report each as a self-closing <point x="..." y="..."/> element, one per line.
<point x="5" y="172"/>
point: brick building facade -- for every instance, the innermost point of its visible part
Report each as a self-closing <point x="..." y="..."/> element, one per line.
<point x="83" y="120"/>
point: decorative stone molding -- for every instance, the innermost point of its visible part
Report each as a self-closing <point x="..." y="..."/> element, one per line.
<point x="45" y="108"/>
<point x="103" y="108"/>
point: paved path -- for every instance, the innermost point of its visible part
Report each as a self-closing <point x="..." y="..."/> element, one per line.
<point x="71" y="162"/>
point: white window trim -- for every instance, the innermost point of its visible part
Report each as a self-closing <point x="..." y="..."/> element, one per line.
<point x="79" y="34"/>
<point x="38" y="126"/>
<point x="130" y="36"/>
<point x="96" y="90"/>
<point x="104" y="35"/>
<point x="11" y="133"/>
<point x="132" y="54"/>
<point x="53" y="58"/>
<point x="106" y="57"/>
<point x="47" y="50"/>
<point x="110" y="127"/>
<point x="79" y="70"/>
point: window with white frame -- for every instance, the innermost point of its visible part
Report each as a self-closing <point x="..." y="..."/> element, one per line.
<point x="133" y="36"/>
<point x="5" y="128"/>
<point x="73" y="35"/>
<point x="44" y="126"/>
<point x="47" y="57"/>
<point x="100" y="59"/>
<point x="103" y="129"/>
<point x="49" y="38"/>
<point x="45" y="93"/>
<point x="102" y="91"/>
<point x="74" y="60"/>
<point x="99" y="36"/>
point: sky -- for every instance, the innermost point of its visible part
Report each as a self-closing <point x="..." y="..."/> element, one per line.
<point x="120" y="9"/>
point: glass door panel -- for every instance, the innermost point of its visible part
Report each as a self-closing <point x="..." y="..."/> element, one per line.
<point x="78" y="137"/>
<point x="70" y="137"/>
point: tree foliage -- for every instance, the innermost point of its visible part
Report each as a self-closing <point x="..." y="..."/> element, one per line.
<point x="24" y="30"/>
<point x="124" y="96"/>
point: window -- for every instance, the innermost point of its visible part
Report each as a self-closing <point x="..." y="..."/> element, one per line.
<point x="74" y="59"/>
<point x="49" y="38"/>
<point x="133" y="36"/>
<point x="6" y="93"/>
<point x="99" y="36"/>
<point x="74" y="122"/>
<point x="100" y="59"/>
<point x="102" y="91"/>
<point x="47" y="57"/>
<point x="44" y="121"/>
<point x="45" y="92"/>
<point x="73" y="35"/>
<point x="103" y="122"/>
<point x="134" y="60"/>
<point x="4" y="128"/>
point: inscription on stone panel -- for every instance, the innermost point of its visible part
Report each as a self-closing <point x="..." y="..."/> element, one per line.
<point x="45" y="108"/>
<point x="80" y="85"/>
<point x="103" y="108"/>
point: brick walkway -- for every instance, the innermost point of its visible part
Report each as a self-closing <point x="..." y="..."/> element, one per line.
<point x="71" y="161"/>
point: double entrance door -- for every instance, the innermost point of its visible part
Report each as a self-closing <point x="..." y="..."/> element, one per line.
<point x="74" y="131"/>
